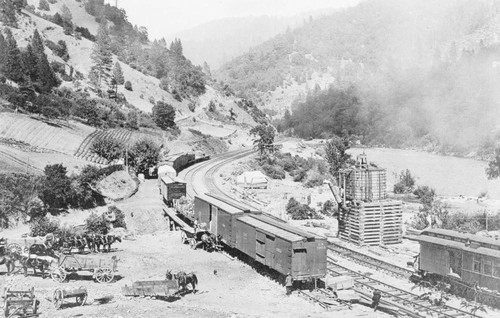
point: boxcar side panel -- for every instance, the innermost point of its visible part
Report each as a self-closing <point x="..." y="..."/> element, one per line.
<point x="270" y="250"/>
<point x="201" y="211"/>
<point x="283" y="256"/>
<point x="434" y="258"/>
<point x="245" y="238"/>
<point x="224" y="227"/>
<point x="316" y="257"/>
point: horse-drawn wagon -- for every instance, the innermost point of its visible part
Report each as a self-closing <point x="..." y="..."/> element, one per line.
<point x="155" y="288"/>
<point x="102" y="269"/>
<point x="20" y="302"/>
<point x="200" y="238"/>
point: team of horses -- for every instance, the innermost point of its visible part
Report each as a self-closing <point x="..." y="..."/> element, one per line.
<point x="40" y="256"/>
<point x="93" y="242"/>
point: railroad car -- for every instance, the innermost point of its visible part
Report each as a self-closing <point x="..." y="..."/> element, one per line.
<point x="266" y="239"/>
<point x="172" y="188"/>
<point x="470" y="258"/>
<point x="185" y="160"/>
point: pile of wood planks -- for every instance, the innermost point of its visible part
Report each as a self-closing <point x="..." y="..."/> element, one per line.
<point x="372" y="223"/>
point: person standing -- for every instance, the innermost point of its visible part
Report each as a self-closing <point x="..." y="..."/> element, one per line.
<point x="376" y="299"/>
<point x="288" y="283"/>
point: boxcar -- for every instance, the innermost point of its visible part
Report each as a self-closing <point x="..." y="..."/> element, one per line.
<point x="218" y="216"/>
<point x="172" y="189"/>
<point x="279" y="249"/>
<point x="473" y="258"/>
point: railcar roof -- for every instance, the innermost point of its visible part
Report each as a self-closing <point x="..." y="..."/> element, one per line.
<point x="167" y="179"/>
<point x="462" y="236"/>
<point x="459" y="245"/>
<point x="284" y="226"/>
<point x="220" y="204"/>
<point x="271" y="229"/>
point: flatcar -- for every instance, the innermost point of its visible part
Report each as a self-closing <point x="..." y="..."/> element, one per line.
<point x="471" y="259"/>
<point x="267" y="240"/>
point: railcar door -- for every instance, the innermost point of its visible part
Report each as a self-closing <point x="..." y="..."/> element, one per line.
<point x="455" y="258"/>
<point x="270" y="250"/>
<point x="213" y="219"/>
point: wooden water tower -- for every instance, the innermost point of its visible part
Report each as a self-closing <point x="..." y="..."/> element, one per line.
<point x="369" y="218"/>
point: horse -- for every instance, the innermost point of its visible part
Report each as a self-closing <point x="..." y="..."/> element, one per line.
<point x="106" y="241"/>
<point x="38" y="257"/>
<point x="9" y="261"/>
<point x="183" y="280"/>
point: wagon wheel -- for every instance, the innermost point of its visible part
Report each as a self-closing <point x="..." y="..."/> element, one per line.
<point x="183" y="237"/>
<point x="104" y="275"/>
<point x="6" y="310"/>
<point x="58" y="274"/>
<point x="58" y="298"/>
<point x="192" y="243"/>
<point x="14" y="248"/>
<point x="81" y="300"/>
<point x="35" y="306"/>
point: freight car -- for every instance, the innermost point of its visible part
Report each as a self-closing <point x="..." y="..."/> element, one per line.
<point x="172" y="188"/>
<point x="185" y="160"/>
<point x="463" y="261"/>
<point x="265" y="239"/>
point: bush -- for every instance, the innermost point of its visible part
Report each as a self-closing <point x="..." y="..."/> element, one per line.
<point x="43" y="5"/>
<point x="426" y="194"/>
<point x="274" y="172"/>
<point x="128" y="86"/>
<point x="192" y="106"/>
<point x="43" y="226"/>
<point x="51" y="112"/>
<point x="108" y="148"/>
<point x="85" y="33"/>
<point x="120" y="217"/>
<point x="96" y="224"/>
<point x="299" y="211"/>
<point x="329" y="208"/>
<point x="405" y="184"/>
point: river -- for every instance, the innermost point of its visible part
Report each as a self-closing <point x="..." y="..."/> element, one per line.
<point x="450" y="176"/>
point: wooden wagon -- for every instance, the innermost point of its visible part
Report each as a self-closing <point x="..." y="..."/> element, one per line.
<point x="155" y="288"/>
<point x="80" y="294"/>
<point x="20" y="302"/>
<point x="103" y="269"/>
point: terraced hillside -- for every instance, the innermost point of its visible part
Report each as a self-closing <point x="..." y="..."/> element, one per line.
<point x="60" y="136"/>
<point x="84" y="152"/>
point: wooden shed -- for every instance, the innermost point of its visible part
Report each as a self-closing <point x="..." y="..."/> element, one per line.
<point x="372" y="223"/>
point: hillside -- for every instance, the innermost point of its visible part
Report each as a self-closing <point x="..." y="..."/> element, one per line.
<point x="216" y="44"/>
<point x="423" y="71"/>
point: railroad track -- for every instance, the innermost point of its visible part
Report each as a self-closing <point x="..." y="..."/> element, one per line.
<point x="369" y="261"/>
<point x="406" y="302"/>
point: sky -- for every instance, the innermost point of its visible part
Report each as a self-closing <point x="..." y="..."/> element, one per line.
<point x="163" y="17"/>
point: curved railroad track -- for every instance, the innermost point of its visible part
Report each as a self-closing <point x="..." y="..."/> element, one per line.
<point x="406" y="302"/>
<point x="369" y="261"/>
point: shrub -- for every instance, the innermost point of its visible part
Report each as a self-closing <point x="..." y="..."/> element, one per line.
<point x="299" y="211"/>
<point x="329" y="208"/>
<point x="128" y="86"/>
<point x="96" y="224"/>
<point x="406" y="182"/>
<point x="108" y="148"/>
<point x="426" y="194"/>
<point x="274" y="172"/>
<point x="85" y="33"/>
<point x="51" y="112"/>
<point x="43" y="226"/>
<point x="120" y="217"/>
<point x="192" y="106"/>
<point x="314" y="179"/>
<point x="43" y="5"/>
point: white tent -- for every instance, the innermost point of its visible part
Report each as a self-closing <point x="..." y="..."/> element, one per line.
<point x="252" y="179"/>
<point x="166" y="170"/>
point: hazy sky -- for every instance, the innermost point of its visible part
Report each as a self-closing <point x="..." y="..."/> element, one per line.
<point x="163" y="17"/>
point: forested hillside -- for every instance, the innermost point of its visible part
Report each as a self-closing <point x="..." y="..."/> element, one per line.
<point x="408" y="73"/>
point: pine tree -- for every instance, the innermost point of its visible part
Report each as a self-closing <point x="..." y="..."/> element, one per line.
<point x="44" y="78"/>
<point x="30" y="62"/>
<point x="118" y="74"/>
<point x="13" y="63"/>
<point x="3" y="52"/>
<point x="102" y="58"/>
<point x="8" y="13"/>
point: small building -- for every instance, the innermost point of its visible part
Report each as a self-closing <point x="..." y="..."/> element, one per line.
<point x="252" y="180"/>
